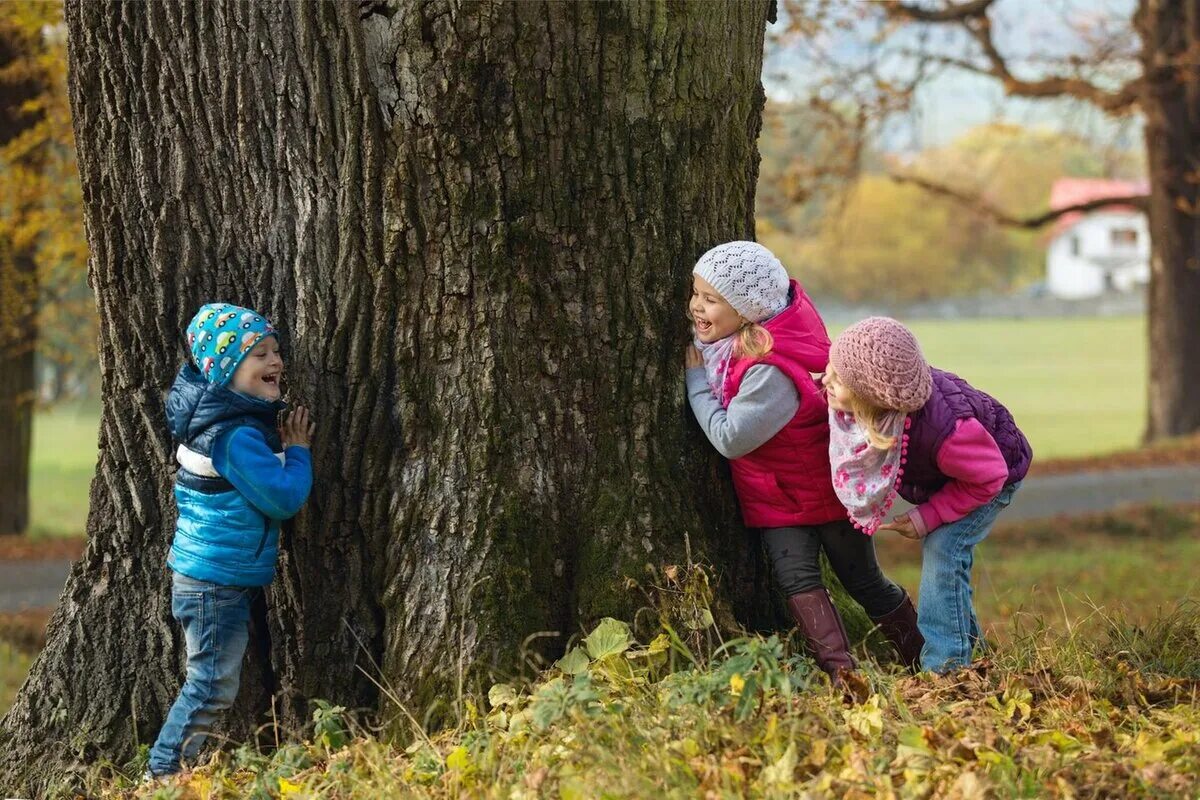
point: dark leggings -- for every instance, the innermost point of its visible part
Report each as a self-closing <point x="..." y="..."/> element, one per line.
<point x="795" y="558"/>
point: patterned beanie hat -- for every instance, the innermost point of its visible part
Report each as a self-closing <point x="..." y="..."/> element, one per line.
<point x="220" y="336"/>
<point x="880" y="361"/>
<point x="748" y="276"/>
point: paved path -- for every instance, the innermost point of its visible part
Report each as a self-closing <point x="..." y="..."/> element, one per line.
<point x="36" y="584"/>
<point x="31" y="584"/>
<point x="1087" y="492"/>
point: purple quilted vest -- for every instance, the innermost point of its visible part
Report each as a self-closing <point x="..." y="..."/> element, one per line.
<point x="954" y="399"/>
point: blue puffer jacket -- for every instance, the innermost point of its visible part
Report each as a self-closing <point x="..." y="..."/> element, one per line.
<point x="234" y="486"/>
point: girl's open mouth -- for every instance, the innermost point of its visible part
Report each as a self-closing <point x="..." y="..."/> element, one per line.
<point x="703" y="326"/>
<point x="271" y="379"/>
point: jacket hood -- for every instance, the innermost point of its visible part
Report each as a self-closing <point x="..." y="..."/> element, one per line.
<point x="194" y="404"/>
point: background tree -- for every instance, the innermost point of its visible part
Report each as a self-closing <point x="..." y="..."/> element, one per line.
<point x="47" y="312"/>
<point x="1145" y="64"/>
<point x="1158" y="75"/>
<point x="474" y="225"/>
<point x="67" y="328"/>
<point x="867" y="236"/>
<point x="874" y="248"/>
<point x="23" y="79"/>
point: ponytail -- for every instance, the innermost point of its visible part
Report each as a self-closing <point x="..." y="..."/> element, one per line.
<point x="754" y="341"/>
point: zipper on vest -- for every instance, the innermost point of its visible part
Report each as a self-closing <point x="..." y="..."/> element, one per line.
<point x="263" y="541"/>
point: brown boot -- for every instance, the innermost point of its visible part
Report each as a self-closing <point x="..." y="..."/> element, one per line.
<point x="900" y="628"/>
<point x="822" y="627"/>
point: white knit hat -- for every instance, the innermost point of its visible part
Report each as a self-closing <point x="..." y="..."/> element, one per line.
<point x="748" y="276"/>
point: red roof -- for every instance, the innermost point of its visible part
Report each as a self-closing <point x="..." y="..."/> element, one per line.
<point x="1072" y="191"/>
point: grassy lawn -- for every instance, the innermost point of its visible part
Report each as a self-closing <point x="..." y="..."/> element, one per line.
<point x="1104" y="709"/>
<point x="1068" y="573"/>
<point x="1076" y="386"/>
<point x="14" y="664"/>
<point x="64" y="458"/>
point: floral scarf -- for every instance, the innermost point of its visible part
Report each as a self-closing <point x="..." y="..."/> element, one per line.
<point x="717" y="357"/>
<point x="865" y="478"/>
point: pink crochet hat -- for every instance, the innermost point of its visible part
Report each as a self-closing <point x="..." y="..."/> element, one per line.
<point x="880" y="361"/>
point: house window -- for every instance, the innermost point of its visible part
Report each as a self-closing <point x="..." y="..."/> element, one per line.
<point x="1124" y="238"/>
<point x="1074" y="245"/>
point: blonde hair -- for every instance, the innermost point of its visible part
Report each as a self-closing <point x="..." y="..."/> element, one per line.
<point x="754" y="341"/>
<point x="870" y="417"/>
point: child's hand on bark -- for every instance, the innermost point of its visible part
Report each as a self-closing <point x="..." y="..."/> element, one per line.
<point x="692" y="357"/>
<point x="297" y="428"/>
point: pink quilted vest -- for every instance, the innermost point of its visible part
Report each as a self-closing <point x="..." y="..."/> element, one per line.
<point x="787" y="481"/>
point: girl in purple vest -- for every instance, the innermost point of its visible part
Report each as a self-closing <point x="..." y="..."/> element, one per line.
<point x="758" y="340"/>
<point x="898" y="426"/>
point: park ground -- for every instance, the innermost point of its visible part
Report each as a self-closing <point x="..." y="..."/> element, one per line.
<point x="1091" y="691"/>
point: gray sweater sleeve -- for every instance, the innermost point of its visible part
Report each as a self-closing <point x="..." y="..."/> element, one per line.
<point x="765" y="402"/>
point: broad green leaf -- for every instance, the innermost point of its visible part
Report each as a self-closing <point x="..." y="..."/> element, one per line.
<point x="866" y="719"/>
<point x="609" y="638"/>
<point x="574" y="662"/>
<point x="661" y="644"/>
<point x="502" y="695"/>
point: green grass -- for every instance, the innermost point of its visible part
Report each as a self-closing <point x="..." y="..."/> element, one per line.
<point x="63" y="461"/>
<point x="1076" y="386"/>
<point x="14" y="665"/>
<point x="1064" y="573"/>
<point x="1054" y="715"/>
<point x="1090" y="692"/>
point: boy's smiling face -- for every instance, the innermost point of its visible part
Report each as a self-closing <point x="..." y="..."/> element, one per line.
<point x="260" y="371"/>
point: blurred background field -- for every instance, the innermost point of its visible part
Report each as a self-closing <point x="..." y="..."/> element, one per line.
<point x="1076" y="386"/>
<point x="1066" y="573"/>
<point x="63" y="460"/>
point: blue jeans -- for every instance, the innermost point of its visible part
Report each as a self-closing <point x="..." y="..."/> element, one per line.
<point x="216" y="626"/>
<point x="945" y="611"/>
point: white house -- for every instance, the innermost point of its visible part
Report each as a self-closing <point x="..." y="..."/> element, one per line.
<point x="1104" y="250"/>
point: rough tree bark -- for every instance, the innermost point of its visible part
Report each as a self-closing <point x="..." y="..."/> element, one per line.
<point x="1170" y="101"/>
<point x="474" y="224"/>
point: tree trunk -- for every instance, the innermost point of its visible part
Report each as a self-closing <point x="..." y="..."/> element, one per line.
<point x="20" y="82"/>
<point x="1170" y="32"/>
<point x="474" y="225"/>
<point x="18" y="341"/>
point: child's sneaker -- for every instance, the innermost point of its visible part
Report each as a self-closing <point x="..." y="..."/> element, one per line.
<point x="150" y="779"/>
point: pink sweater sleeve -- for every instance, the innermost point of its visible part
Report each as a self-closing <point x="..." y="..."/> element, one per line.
<point x="977" y="470"/>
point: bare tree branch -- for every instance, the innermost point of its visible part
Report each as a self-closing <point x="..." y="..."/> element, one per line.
<point x="972" y="17"/>
<point x="1112" y="101"/>
<point x="952" y="12"/>
<point x="982" y="206"/>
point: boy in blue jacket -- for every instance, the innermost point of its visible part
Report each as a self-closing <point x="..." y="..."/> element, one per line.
<point x="239" y="477"/>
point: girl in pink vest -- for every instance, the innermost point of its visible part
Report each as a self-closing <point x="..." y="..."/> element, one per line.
<point x="758" y="341"/>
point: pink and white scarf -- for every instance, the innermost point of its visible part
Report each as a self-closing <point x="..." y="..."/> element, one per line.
<point x="866" y="478"/>
<point x="717" y="357"/>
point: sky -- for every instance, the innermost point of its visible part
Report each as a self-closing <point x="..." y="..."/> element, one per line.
<point x="1027" y="32"/>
